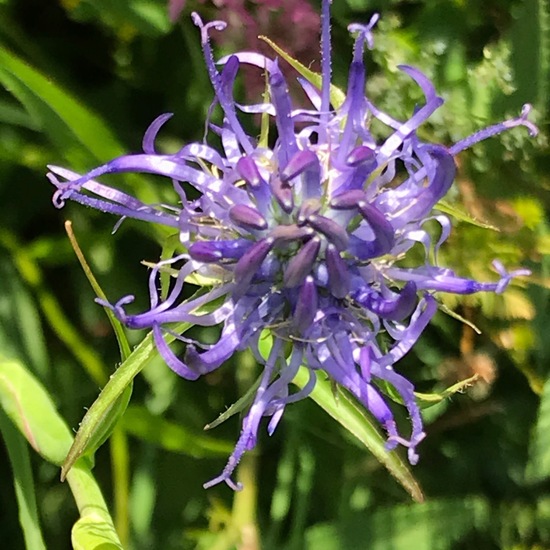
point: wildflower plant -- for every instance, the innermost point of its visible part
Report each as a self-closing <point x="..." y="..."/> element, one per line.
<point x="313" y="237"/>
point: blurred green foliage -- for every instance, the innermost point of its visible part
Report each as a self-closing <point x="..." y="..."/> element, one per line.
<point x="80" y="82"/>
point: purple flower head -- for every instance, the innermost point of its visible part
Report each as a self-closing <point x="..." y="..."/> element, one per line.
<point x="303" y="241"/>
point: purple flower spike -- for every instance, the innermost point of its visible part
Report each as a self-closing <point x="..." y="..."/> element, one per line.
<point x="302" y="239"/>
<point x="283" y="235"/>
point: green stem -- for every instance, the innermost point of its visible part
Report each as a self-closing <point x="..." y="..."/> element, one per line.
<point x="245" y="503"/>
<point x="120" y="466"/>
<point x="91" y="505"/>
<point x="123" y="344"/>
<point x="86" y="492"/>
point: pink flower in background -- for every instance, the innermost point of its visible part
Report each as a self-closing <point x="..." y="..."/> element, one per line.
<point x="175" y="7"/>
<point x="291" y="24"/>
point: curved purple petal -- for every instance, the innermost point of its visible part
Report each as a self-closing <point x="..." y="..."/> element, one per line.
<point x="151" y="133"/>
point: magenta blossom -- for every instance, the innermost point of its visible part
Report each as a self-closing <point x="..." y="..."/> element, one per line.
<point x="307" y="240"/>
<point x="294" y="23"/>
<point x="175" y="7"/>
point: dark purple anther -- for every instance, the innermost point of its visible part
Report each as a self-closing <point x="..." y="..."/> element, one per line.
<point x="305" y="163"/>
<point x="381" y="227"/>
<point x="250" y="262"/>
<point x="348" y="199"/>
<point x="283" y="193"/>
<point x="213" y="251"/>
<point x="361" y="155"/>
<point x="301" y="265"/>
<point x="300" y="162"/>
<point x="338" y="274"/>
<point x="204" y="251"/>
<point x="306" y="306"/>
<point x="308" y="208"/>
<point x="333" y="231"/>
<point x="247" y="217"/>
<point x="285" y="234"/>
<point x="248" y="170"/>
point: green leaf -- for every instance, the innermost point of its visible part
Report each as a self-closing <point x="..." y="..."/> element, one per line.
<point x="141" y="423"/>
<point x="21" y="334"/>
<point x="236" y="407"/>
<point x="355" y="419"/>
<point x="79" y="134"/>
<point x="462" y="216"/>
<point x="73" y="128"/>
<point x="15" y="116"/>
<point x="31" y="409"/>
<point x="105" y="429"/>
<point x="109" y="421"/>
<point x="427" y="400"/>
<point x="448" y="311"/>
<point x="18" y="453"/>
<point x="99" y="416"/>
<point x="538" y="466"/>
<point x="337" y="96"/>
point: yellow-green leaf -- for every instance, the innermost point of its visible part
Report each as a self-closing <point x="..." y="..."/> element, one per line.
<point x="463" y="216"/>
<point x="459" y="387"/>
<point x="357" y="421"/>
<point x="337" y="96"/>
<point x="76" y="131"/>
<point x="93" y="425"/>
<point x="30" y="408"/>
